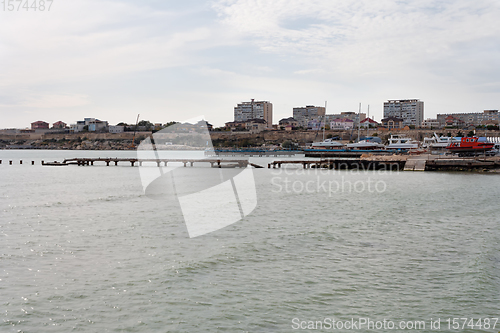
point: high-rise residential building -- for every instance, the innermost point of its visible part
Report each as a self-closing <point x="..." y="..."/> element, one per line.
<point x="473" y="118"/>
<point x="308" y="113"/>
<point x="410" y="110"/>
<point x="254" y="110"/>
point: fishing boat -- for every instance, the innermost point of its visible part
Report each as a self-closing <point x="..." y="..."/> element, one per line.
<point x="401" y="142"/>
<point x="470" y="146"/>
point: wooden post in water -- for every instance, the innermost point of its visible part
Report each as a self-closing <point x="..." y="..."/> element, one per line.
<point x="32" y="162"/>
<point x="10" y="162"/>
<point x="21" y="162"/>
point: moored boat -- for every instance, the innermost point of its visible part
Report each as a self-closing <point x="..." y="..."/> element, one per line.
<point x="401" y="142"/>
<point x="437" y="142"/>
<point x="365" y="145"/>
<point x="328" y="144"/>
<point x="470" y="145"/>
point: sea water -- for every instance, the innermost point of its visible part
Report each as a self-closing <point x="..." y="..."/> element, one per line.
<point x="83" y="249"/>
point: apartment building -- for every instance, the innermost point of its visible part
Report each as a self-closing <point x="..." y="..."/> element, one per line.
<point x="254" y="110"/>
<point x="411" y="111"/>
<point x="472" y="118"/>
<point x="305" y="114"/>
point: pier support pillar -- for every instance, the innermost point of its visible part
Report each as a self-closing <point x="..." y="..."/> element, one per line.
<point x="158" y="163"/>
<point x="21" y="162"/>
<point x="132" y="163"/>
<point x="184" y="163"/>
<point x="191" y="163"/>
<point x="107" y="163"/>
<point x="32" y="162"/>
<point x="10" y="162"/>
<point x="116" y="163"/>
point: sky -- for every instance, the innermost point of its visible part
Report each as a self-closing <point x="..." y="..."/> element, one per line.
<point x="174" y="60"/>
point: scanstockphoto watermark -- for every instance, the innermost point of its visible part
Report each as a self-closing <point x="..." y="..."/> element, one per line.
<point x="328" y="186"/>
<point x="368" y="324"/>
<point x="328" y="181"/>
<point x="211" y="193"/>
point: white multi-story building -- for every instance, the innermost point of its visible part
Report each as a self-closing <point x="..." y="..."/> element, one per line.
<point x="306" y="114"/>
<point x="92" y="125"/>
<point x="254" y="110"/>
<point x="410" y="110"/>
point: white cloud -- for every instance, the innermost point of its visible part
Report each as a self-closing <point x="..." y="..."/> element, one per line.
<point x="113" y="59"/>
<point x="92" y="39"/>
<point x="354" y="38"/>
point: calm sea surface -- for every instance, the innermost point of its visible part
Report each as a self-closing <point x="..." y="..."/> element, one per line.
<point x="82" y="249"/>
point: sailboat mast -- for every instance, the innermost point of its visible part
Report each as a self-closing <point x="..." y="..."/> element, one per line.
<point x="368" y="125"/>
<point x="359" y="120"/>
<point x="324" y="123"/>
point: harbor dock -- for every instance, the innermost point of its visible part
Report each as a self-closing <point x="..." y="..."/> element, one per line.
<point x="133" y="161"/>
<point x="367" y="161"/>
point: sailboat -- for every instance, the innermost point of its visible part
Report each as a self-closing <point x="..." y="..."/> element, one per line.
<point x="327" y="143"/>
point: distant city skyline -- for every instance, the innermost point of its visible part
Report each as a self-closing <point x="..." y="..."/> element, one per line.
<point x="171" y="61"/>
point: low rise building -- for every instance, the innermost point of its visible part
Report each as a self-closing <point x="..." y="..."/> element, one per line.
<point x="316" y="124"/>
<point x="431" y="123"/>
<point x="368" y="122"/>
<point x="256" y="125"/>
<point x="354" y="116"/>
<point x="235" y="125"/>
<point x="116" y="129"/>
<point x="59" y="125"/>
<point x="452" y="121"/>
<point x="98" y="125"/>
<point x="341" y="124"/>
<point x="289" y="122"/>
<point x="89" y="124"/>
<point x="39" y="125"/>
<point x="392" y="123"/>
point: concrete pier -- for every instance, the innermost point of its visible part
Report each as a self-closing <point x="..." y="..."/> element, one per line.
<point x="219" y="163"/>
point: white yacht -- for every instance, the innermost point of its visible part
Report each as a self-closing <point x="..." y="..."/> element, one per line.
<point x="401" y="142"/>
<point x="437" y="142"/>
<point x="365" y="144"/>
<point x="328" y="144"/>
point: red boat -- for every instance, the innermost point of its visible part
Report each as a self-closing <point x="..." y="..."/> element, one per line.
<point x="469" y="145"/>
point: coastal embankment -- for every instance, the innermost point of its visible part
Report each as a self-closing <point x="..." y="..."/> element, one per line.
<point x="127" y="140"/>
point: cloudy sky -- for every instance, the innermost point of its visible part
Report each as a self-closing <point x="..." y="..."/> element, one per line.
<point x="174" y="60"/>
